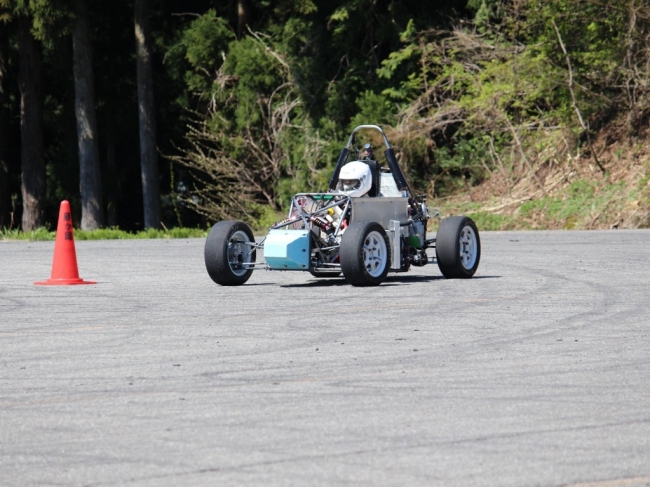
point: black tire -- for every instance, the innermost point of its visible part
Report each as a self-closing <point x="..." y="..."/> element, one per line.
<point x="458" y="247"/>
<point x="320" y="274"/>
<point x="365" y="254"/>
<point x="226" y="249"/>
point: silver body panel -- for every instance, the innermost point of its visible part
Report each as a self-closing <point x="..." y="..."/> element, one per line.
<point x="387" y="186"/>
<point x="380" y="210"/>
<point x="394" y="234"/>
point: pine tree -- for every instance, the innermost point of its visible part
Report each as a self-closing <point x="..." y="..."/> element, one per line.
<point x="31" y="126"/>
<point x="147" y="117"/>
<point x="89" y="169"/>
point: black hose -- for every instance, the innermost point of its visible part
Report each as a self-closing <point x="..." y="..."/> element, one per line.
<point x="398" y="176"/>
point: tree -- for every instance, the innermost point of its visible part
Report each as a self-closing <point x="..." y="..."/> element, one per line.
<point x="243" y="17"/>
<point x="254" y="139"/>
<point x="146" y="111"/>
<point x="4" y="135"/>
<point x="31" y="126"/>
<point x="89" y="169"/>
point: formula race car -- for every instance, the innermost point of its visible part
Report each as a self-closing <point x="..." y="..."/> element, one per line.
<point x="367" y="225"/>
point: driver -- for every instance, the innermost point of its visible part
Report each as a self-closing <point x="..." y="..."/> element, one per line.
<point x="355" y="179"/>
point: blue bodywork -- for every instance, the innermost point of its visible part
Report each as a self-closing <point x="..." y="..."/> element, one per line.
<point x="287" y="250"/>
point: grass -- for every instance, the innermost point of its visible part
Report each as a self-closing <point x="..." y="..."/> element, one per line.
<point x="43" y="234"/>
<point x="34" y="236"/>
<point x="583" y="204"/>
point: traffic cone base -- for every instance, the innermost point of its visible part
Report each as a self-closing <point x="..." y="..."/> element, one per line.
<point x="63" y="282"/>
<point x="64" y="265"/>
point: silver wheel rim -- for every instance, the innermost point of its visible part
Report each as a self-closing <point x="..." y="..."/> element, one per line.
<point x="375" y="254"/>
<point x="239" y="253"/>
<point x="468" y="247"/>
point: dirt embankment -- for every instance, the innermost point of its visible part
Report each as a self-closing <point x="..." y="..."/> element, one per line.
<point x="580" y="191"/>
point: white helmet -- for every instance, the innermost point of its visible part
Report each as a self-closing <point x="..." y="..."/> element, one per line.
<point x="355" y="179"/>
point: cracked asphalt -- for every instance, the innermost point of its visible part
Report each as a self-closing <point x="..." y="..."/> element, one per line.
<point x="534" y="373"/>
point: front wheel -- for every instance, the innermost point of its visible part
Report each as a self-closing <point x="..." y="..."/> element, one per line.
<point x="229" y="251"/>
<point x="365" y="254"/>
<point x="458" y="247"/>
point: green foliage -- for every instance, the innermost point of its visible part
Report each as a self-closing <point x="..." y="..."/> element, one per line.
<point x="469" y="104"/>
<point x="507" y="91"/>
<point x="374" y="107"/>
<point x="467" y="89"/>
<point x="402" y="64"/>
<point x="50" y="19"/>
<point x="605" y="43"/>
<point x="286" y="8"/>
<point x="200" y="51"/>
<point x="462" y="162"/>
<point x="266" y="218"/>
<point x="253" y="142"/>
<point x="255" y="67"/>
<point x="363" y="33"/>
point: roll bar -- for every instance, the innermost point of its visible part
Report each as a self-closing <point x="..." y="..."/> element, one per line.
<point x="398" y="176"/>
<point x="375" y="127"/>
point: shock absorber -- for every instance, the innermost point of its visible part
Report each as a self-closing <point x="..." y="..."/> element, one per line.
<point x="327" y="227"/>
<point x="323" y="224"/>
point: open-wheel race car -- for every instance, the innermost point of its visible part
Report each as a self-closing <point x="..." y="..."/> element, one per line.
<point x="368" y="224"/>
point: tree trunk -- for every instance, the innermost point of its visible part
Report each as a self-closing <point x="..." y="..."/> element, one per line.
<point x="31" y="127"/>
<point x="111" y="165"/>
<point x="4" y="143"/>
<point x="243" y="17"/>
<point x="4" y="168"/>
<point x="146" y="110"/>
<point x="89" y="169"/>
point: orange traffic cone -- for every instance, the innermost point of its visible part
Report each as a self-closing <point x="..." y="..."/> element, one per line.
<point x="64" y="265"/>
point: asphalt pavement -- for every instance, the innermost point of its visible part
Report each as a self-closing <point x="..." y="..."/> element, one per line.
<point x="534" y="373"/>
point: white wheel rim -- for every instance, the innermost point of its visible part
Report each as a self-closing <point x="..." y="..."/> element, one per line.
<point x="375" y="254"/>
<point x="468" y="247"/>
<point x="239" y="252"/>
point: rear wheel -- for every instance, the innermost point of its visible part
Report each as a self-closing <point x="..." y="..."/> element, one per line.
<point x="458" y="247"/>
<point x="365" y="254"/>
<point x="228" y="250"/>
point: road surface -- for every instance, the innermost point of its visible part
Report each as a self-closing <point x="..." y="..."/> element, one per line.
<point x="534" y="373"/>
